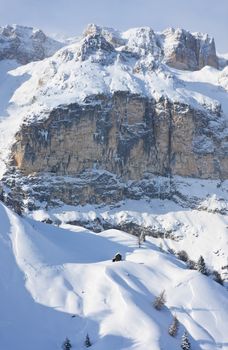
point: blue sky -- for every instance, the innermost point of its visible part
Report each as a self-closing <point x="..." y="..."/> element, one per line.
<point x="71" y="16"/>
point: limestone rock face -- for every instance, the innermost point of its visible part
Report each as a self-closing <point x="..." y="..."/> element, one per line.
<point x="127" y="135"/>
<point x="184" y="50"/>
<point x="26" y="44"/>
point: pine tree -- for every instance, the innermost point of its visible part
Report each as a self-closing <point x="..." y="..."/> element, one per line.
<point x="182" y="255"/>
<point x="159" y="301"/>
<point x="192" y="265"/>
<point x="66" y="345"/>
<point x="185" y="343"/>
<point x="217" y="277"/>
<point x="201" y="266"/>
<point x="87" y="341"/>
<point x="173" y="328"/>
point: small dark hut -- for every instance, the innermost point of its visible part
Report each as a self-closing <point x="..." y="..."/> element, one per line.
<point x="118" y="257"/>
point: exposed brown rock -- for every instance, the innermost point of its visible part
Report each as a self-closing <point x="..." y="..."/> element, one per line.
<point x="184" y="50"/>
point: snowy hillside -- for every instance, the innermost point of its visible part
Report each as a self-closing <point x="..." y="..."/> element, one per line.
<point x="60" y="282"/>
<point x="176" y="227"/>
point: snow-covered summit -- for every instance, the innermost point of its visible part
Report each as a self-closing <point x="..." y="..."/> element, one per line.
<point x="26" y="44"/>
<point x="177" y="47"/>
<point x="104" y="60"/>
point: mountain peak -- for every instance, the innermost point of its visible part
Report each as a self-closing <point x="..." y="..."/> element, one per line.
<point x="188" y="51"/>
<point x="26" y="44"/>
<point x="94" y="42"/>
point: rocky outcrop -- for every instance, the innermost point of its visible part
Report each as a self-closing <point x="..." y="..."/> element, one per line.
<point x="184" y="50"/>
<point x="46" y="190"/>
<point x="98" y="187"/>
<point x="25" y="44"/>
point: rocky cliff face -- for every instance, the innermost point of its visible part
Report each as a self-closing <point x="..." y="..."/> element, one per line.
<point x="127" y="135"/>
<point x="184" y="50"/>
<point x="111" y="148"/>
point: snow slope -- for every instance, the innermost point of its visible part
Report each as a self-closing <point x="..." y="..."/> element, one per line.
<point x="49" y="274"/>
<point x="197" y="232"/>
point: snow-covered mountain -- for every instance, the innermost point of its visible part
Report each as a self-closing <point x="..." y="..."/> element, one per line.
<point x="122" y="134"/>
<point x="174" y="122"/>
